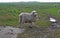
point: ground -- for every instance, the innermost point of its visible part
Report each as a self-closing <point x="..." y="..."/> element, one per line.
<point x="41" y="32"/>
<point x="9" y="32"/>
<point x="34" y="32"/>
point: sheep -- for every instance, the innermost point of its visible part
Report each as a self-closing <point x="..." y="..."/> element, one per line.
<point x="28" y="17"/>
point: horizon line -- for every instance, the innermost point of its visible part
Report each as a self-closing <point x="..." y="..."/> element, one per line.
<point x="27" y="1"/>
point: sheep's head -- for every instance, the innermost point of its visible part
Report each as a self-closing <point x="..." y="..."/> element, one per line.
<point x="35" y="14"/>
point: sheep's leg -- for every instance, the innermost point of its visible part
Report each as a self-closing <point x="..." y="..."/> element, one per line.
<point x="33" y="23"/>
<point x="30" y="25"/>
<point x="22" y="25"/>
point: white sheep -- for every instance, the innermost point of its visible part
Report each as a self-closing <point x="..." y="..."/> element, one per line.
<point x="28" y="17"/>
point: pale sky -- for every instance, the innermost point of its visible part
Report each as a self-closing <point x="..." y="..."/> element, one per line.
<point x="29" y="0"/>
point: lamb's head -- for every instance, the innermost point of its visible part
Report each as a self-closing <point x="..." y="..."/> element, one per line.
<point x="35" y="15"/>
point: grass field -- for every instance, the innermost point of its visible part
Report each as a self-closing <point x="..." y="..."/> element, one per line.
<point x="9" y="12"/>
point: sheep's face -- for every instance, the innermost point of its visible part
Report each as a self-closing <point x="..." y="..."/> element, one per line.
<point x="35" y="14"/>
